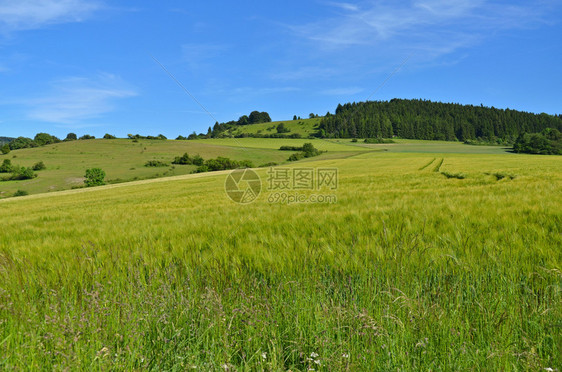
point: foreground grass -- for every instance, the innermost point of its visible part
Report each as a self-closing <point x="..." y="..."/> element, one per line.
<point x="410" y="270"/>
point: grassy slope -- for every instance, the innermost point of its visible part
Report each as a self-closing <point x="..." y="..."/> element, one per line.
<point x="123" y="159"/>
<point x="409" y="270"/>
<point x="304" y="127"/>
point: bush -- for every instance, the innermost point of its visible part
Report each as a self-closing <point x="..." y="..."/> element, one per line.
<point x="222" y="163"/>
<point x="155" y="163"/>
<point x="281" y="128"/>
<point x="186" y="160"/>
<point x="378" y="140"/>
<point x="6" y="166"/>
<point x="22" y="173"/>
<point x="22" y="143"/>
<point x="308" y="151"/>
<point x="548" y="142"/>
<point x="94" y="177"/>
<point x="109" y="136"/>
<point x="38" y="166"/>
<point x="290" y="148"/>
<point x="87" y="137"/>
<point x="183" y="160"/>
<point x="197" y="160"/>
<point x="5" y="149"/>
<point x="21" y="193"/>
<point x="42" y="139"/>
<point x="296" y="156"/>
<point x="71" y="137"/>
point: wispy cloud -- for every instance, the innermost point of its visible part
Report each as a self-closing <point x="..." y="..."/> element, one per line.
<point x="433" y="27"/>
<point x="344" y="6"/>
<point x="349" y="91"/>
<point x="74" y="100"/>
<point x="16" y="15"/>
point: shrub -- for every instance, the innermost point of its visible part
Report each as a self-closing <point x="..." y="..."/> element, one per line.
<point x="197" y="160"/>
<point x="38" y="166"/>
<point x="290" y="148"/>
<point x="42" y="139"/>
<point x="183" y="160"/>
<point x="155" y="163"/>
<point x="296" y="156"/>
<point x="378" y="140"/>
<point x="94" y="177"/>
<point x="71" y="137"/>
<point x="22" y="173"/>
<point x="22" y="143"/>
<point x="21" y="193"/>
<point x="87" y="137"/>
<point x="308" y="151"/>
<point x="6" y="166"/>
<point x="222" y="163"/>
<point x="5" y="149"/>
<point x="109" y="136"/>
<point x="281" y="128"/>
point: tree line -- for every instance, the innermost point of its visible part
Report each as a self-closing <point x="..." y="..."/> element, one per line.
<point x="427" y="120"/>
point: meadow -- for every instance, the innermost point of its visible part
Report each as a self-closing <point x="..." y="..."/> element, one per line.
<point x="409" y="270"/>
<point x="124" y="160"/>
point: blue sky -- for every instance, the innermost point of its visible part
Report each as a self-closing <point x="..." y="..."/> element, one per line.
<point x="93" y="66"/>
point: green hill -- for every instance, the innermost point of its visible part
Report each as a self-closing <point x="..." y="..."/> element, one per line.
<point x="124" y="160"/>
<point x="304" y="128"/>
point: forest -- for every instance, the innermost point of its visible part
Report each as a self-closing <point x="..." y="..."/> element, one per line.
<point x="427" y="120"/>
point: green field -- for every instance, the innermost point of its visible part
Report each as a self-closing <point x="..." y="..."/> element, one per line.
<point x="123" y="160"/>
<point x="409" y="270"/>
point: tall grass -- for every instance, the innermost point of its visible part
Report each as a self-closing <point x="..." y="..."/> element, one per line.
<point x="408" y="271"/>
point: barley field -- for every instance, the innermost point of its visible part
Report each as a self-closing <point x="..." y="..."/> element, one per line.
<point x="413" y="268"/>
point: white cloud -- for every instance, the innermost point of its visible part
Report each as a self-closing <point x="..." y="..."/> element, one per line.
<point x="77" y="99"/>
<point x="16" y="15"/>
<point x="344" y="6"/>
<point x="431" y="27"/>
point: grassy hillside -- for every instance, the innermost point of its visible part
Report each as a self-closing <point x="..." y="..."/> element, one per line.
<point x="409" y="270"/>
<point x="124" y="160"/>
<point x="304" y="127"/>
